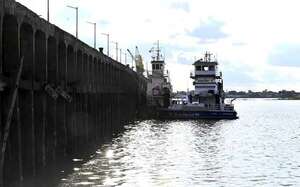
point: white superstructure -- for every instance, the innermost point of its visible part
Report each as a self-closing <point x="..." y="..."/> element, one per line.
<point x="159" y="87"/>
<point x="207" y="81"/>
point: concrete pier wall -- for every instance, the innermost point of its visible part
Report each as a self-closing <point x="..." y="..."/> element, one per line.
<point x="70" y="94"/>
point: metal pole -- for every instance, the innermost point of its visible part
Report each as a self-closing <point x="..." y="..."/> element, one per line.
<point x="107" y="35"/>
<point x="117" y="51"/>
<point x="121" y="55"/>
<point x="94" y="33"/>
<point x="75" y="8"/>
<point x="48" y="17"/>
<point x="107" y="44"/>
<point x="76" y="22"/>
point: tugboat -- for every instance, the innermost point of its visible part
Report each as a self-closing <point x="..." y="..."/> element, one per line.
<point x="159" y="87"/>
<point x="207" y="100"/>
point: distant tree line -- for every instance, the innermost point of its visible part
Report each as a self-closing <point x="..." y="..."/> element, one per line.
<point x="284" y="94"/>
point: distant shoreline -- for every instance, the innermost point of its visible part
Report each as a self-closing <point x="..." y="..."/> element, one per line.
<point x="280" y="95"/>
<point x="277" y="98"/>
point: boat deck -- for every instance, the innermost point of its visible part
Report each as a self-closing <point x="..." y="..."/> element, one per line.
<point x="196" y="112"/>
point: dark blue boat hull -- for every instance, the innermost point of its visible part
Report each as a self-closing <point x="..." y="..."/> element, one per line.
<point x="175" y="114"/>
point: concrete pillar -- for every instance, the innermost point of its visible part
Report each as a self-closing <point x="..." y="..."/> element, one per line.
<point x="61" y="103"/>
<point x="26" y="99"/>
<point x="32" y="93"/>
<point x="85" y="72"/>
<point x="44" y="149"/>
<point x="79" y="72"/>
<point x="102" y="115"/>
<point x="78" y="100"/>
<point x="92" y="72"/>
<point x="90" y="75"/>
<point x="1" y="25"/>
<point x="1" y="30"/>
<point x="51" y="135"/>
<point x="40" y="98"/>
<point x="98" y="75"/>
<point x="101" y="74"/>
<point x="85" y="96"/>
<point x="110" y="75"/>
<point x="70" y="68"/>
<point x="73" y="104"/>
<point x="105" y="74"/>
<point x="97" y="113"/>
<point x="95" y="71"/>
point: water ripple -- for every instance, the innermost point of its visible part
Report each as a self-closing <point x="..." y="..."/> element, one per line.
<point x="259" y="149"/>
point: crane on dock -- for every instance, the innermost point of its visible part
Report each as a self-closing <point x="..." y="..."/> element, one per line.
<point x="132" y="57"/>
<point x="137" y="58"/>
<point x="139" y="61"/>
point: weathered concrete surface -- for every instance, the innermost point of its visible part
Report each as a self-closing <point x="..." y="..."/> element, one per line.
<point x="70" y="94"/>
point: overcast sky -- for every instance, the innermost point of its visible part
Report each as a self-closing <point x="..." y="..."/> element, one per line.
<point x="257" y="42"/>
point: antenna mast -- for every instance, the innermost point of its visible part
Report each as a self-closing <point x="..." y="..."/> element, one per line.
<point x="158" y="50"/>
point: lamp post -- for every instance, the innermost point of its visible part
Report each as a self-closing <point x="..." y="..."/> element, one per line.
<point x="116" y="49"/>
<point x="94" y="32"/>
<point x="120" y="55"/>
<point x="107" y="35"/>
<point x="125" y="56"/>
<point x="48" y="19"/>
<point x="75" y="8"/>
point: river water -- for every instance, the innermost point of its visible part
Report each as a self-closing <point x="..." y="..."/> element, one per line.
<point x="261" y="148"/>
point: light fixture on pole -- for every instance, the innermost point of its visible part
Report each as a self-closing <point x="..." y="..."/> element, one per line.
<point x="94" y="32"/>
<point x="75" y="8"/>
<point x="107" y="35"/>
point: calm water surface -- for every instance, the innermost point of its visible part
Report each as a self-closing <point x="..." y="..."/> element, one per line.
<point x="261" y="148"/>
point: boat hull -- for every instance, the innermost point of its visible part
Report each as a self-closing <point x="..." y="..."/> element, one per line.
<point x="177" y="114"/>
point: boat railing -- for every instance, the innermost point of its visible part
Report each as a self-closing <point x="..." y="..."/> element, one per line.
<point x="219" y="107"/>
<point x="182" y="102"/>
<point x="213" y="107"/>
<point x="229" y="107"/>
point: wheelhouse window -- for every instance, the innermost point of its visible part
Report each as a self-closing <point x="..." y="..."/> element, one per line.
<point x="198" y="68"/>
<point x="211" y="68"/>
